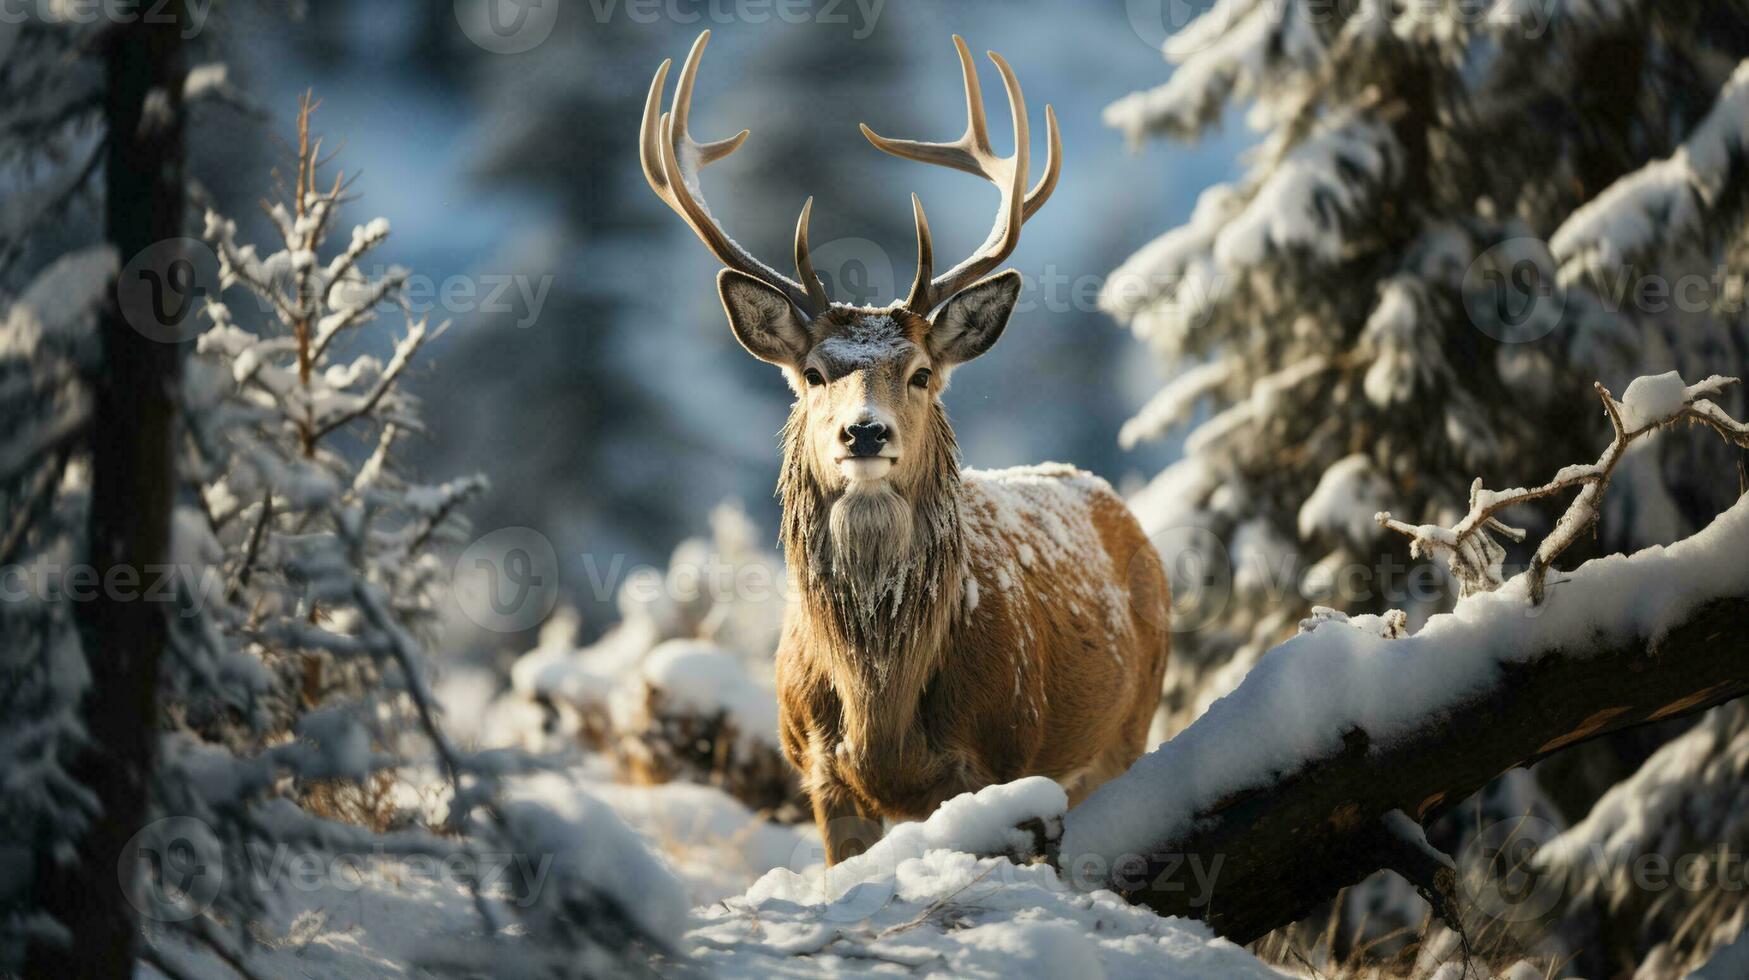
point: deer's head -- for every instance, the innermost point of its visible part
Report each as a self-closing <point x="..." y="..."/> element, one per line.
<point x="867" y="380"/>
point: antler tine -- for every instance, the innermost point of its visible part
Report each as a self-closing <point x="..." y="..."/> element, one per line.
<point x="671" y="160"/>
<point x="805" y="265"/>
<point x="919" y="297"/>
<point x="1005" y="232"/>
<point x="972" y="153"/>
<point x="650" y="135"/>
<point x="1047" y="182"/>
<point x="708" y="153"/>
<point x="977" y="128"/>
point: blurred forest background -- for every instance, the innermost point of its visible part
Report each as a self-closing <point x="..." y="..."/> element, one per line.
<point x="620" y="410"/>
<point x="1314" y="267"/>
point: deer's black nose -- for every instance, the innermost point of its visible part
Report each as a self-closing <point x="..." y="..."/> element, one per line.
<point x="865" y="438"/>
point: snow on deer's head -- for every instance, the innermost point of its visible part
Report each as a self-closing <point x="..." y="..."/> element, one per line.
<point x="867" y="418"/>
<point x="868" y="381"/>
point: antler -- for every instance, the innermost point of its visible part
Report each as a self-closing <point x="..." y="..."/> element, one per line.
<point x="672" y="160"/>
<point x="973" y="154"/>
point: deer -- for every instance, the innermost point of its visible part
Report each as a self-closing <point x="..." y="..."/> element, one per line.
<point x="946" y="628"/>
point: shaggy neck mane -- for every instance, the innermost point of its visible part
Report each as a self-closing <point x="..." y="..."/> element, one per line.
<point x="878" y="570"/>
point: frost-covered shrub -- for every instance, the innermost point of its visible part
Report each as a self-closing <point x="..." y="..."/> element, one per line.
<point x="329" y="552"/>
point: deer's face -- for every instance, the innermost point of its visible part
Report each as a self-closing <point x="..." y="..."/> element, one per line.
<point x="867" y="391"/>
<point x="867" y="381"/>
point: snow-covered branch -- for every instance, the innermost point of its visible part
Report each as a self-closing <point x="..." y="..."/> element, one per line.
<point x="1666" y="203"/>
<point x="1294" y="792"/>
<point x="1649" y="403"/>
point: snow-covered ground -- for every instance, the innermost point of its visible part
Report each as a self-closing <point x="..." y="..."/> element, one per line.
<point x="922" y="900"/>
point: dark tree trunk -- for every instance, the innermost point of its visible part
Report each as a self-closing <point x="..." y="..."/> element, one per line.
<point x="132" y="495"/>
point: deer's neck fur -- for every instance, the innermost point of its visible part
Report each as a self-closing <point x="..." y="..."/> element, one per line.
<point x="879" y="575"/>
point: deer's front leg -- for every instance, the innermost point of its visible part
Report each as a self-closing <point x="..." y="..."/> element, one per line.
<point x="847" y="828"/>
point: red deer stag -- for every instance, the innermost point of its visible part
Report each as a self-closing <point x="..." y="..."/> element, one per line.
<point x="954" y="628"/>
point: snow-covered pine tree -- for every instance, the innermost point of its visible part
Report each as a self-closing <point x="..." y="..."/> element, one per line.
<point x="600" y="354"/>
<point x="47" y="149"/>
<point x="47" y="344"/>
<point x="324" y="536"/>
<point x="88" y="479"/>
<point x="300" y="680"/>
<point x="1681" y="211"/>
<point x="1367" y="318"/>
<point x="293" y="539"/>
<point x="48" y="330"/>
<point x="1453" y="212"/>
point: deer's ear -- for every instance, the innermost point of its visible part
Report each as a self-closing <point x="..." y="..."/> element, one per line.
<point x="974" y="317"/>
<point x="764" y="320"/>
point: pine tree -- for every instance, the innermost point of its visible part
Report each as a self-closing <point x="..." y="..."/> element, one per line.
<point x="1441" y="236"/>
<point x="222" y="577"/>
<point x="1373" y="315"/>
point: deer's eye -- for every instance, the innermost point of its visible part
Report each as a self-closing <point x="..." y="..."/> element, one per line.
<point x="920" y="379"/>
<point x="813" y="377"/>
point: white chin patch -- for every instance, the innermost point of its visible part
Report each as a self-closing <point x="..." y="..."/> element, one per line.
<point x="865" y="468"/>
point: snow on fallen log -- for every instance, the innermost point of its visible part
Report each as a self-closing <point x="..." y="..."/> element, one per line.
<point x="1292" y="778"/>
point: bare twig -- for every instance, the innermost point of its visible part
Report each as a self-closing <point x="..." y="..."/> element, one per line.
<point x="1474" y="557"/>
<point x="936" y="905"/>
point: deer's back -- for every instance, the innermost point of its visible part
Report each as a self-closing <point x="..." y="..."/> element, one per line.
<point x="1064" y="621"/>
